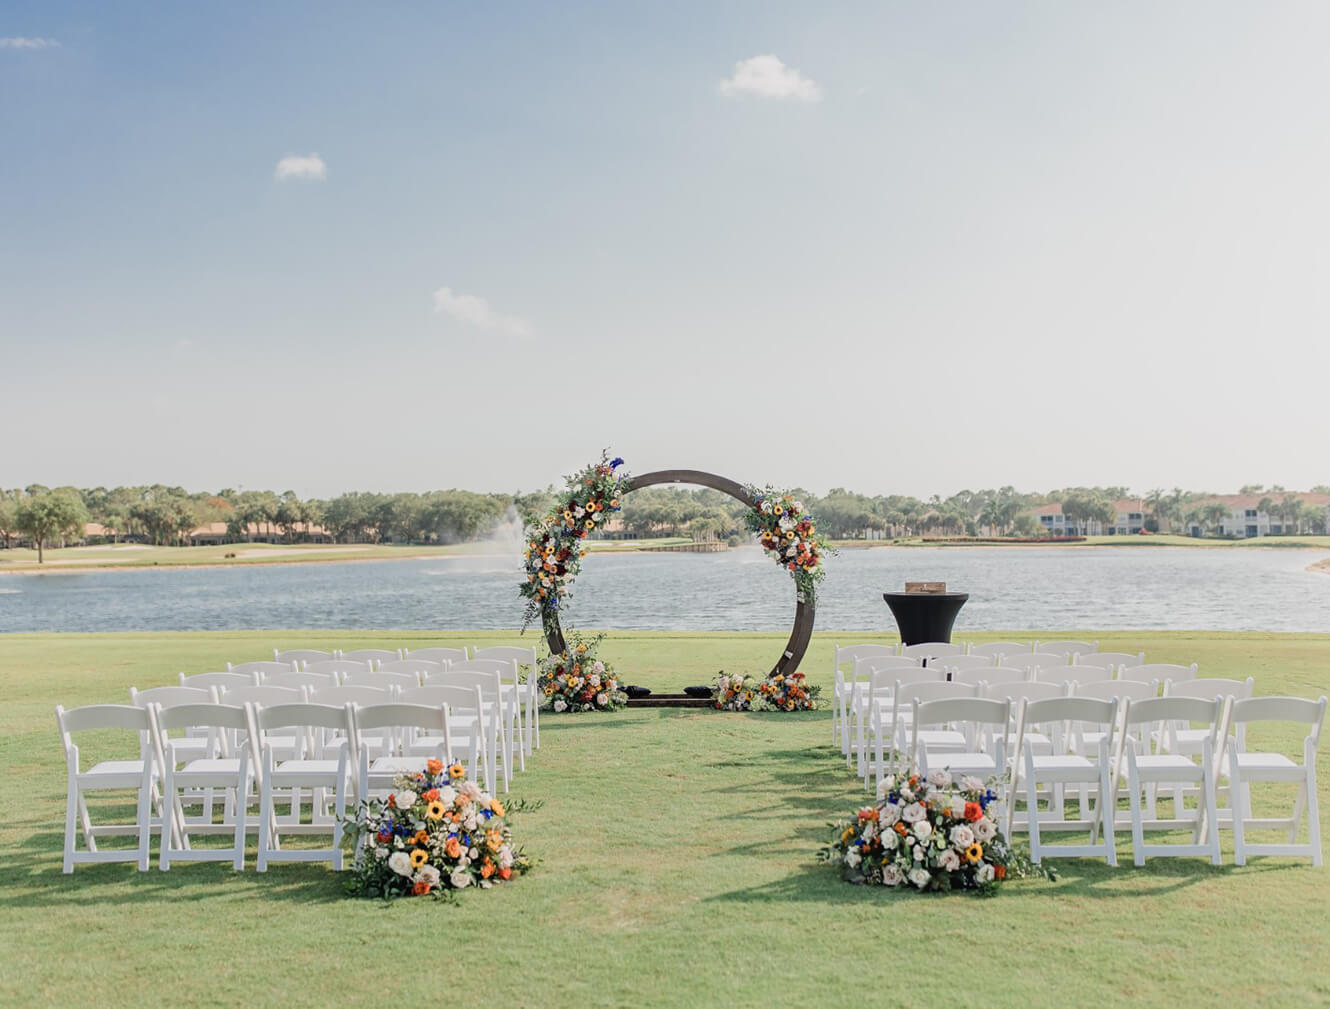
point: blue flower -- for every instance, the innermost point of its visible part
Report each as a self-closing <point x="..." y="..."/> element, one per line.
<point x="616" y="462"/>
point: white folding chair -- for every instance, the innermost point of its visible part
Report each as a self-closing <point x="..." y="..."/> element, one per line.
<point x="1245" y="768"/>
<point x="983" y="723"/>
<point x="325" y="736"/>
<point x="866" y="688"/>
<point x="929" y="650"/>
<point x="954" y="664"/>
<point x="842" y="692"/>
<point x="218" y="768"/>
<point x="302" y="655"/>
<point x="1066" y="647"/>
<point x="529" y="709"/>
<point x="402" y="681"/>
<point x="473" y="728"/>
<point x="309" y="681"/>
<point x="436" y="654"/>
<point x="219" y="680"/>
<point x="1030" y="661"/>
<point x="1148" y="771"/>
<point x="104" y="776"/>
<point x="1062" y="767"/>
<point x="414" y="667"/>
<point x="989" y="674"/>
<point x="359" y="695"/>
<point x="338" y="668"/>
<point x="509" y="699"/>
<point x="997" y="649"/>
<point x="1071" y="674"/>
<point x="1108" y="660"/>
<point x="892" y="721"/>
<point x="374" y="655"/>
<point x="406" y="725"/>
<point x="1161" y="671"/>
<point x="262" y="668"/>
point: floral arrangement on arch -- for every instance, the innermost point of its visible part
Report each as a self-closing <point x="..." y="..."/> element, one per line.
<point x="554" y="542"/>
<point x="434" y="832"/>
<point x="788" y="533"/>
<point x="576" y="680"/>
<point x="929" y="834"/>
<point x="774" y="692"/>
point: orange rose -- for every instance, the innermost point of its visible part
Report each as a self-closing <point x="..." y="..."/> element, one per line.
<point x="505" y="873"/>
<point x="487" y="869"/>
<point x="433" y="766"/>
<point x="1000" y="872"/>
<point x="420" y="888"/>
<point x="973" y="811"/>
<point x="453" y="849"/>
<point x="431" y="796"/>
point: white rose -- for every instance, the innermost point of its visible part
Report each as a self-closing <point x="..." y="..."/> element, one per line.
<point x="889" y="814"/>
<point x="853" y="858"/>
<point x="892" y="875"/>
<point x="949" y="860"/>
<point x="939" y="778"/>
<point x="602" y="699"/>
<point x="984" y="873"/>
<point x="918" y="853"/>
<point x="913" y="813"/>
<point x="870" y="830"/>
<point x="470" y="789"/>
<point x="985" y="829"/>
<point x="460" y="879"/>
<point x="593" y="680"/>
<point x="380" y="853"/>
<point x="724" y="683"/>
<point x="505" y="857"/>
<point x="406" y="799"/>
<point x="920" y="877"/>
<point x="428" y="874"/>
<point x="972" y="784"/>
<point x="598" y="667"/>
<point x="560" y="704"/>
<point x="470" y="823"/>
<point x="890" y="841"/>
<point x="923" y="829"/>
<point x="958" y="806"/>
<point x="447" y="796"/>
<point x="962" y="836"/>
<point x="400" y="863"/>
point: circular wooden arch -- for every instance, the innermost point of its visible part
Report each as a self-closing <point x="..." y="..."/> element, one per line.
<point x="803" y="608"/>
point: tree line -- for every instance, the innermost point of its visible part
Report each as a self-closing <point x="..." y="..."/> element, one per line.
<point x="168" y="515"/>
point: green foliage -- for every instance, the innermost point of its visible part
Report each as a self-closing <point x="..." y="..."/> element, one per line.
<point x="50" y="515"/>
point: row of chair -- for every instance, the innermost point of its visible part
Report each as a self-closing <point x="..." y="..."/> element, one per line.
<point x="226" y="758"/>
<point x="1193" y="745"/>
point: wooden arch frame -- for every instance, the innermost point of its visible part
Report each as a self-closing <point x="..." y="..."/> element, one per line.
<point x="802" y="632"/>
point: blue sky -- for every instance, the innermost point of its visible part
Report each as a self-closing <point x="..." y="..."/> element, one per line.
<point x="945" y="246"/>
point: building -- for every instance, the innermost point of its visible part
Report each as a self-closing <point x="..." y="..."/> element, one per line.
<point x="1245" y="519"/>
<point x="1054" y="523"/>
<point x="1130" y="519"/>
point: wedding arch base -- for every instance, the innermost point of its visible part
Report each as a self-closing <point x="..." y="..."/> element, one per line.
<point x="800" y="634"/>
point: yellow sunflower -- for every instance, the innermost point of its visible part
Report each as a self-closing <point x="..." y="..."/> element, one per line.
<point x="974" y="853"/>
<point x="434" y="811"/>
<point x="457" y="770"/>
<point x="419" y="857"/>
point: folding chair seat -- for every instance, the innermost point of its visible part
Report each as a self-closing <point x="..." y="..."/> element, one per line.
<point x="954" y="664"/>
<point x="366" y="694"/>
<point x="379" y="678"/>
<point x="225" y="765"/>
<point x="322" y="766"/>
<point x="262" y="668"/>
<point x="221" y="681"/>
<point x="843" y="690"/>
<point x="1030" y="661"/>
<point x="891" y="712"/>
<point x="1163" y="672"/>
<point x="1243" y="769"/>
<point x="104" y="776"/>
<point x="170" y="697"/>
<point x="529" y="689"/>
<point x="1149" y="771"/>
<point x="412" y="667"/>
<point x="301" y="655"/>
<point x="1092" y="773"/>
<point x="1086" y="740"/>
<point x="283" y="746"/>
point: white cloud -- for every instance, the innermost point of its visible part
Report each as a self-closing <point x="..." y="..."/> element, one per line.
<point x="767" y="77"/>
<point x="22" y="43"/>
<point x="293" y="166"/>
<point x="476" y="312"/>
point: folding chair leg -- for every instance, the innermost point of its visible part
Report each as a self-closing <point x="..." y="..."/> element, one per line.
<point x="1239" y="814"/>
<point x="1313" y="817"/>
<point x="1137" y="830"/>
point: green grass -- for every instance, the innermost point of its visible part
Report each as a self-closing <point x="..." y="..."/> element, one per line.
<point x="676" y="867"/>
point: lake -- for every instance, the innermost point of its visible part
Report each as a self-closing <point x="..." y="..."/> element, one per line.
<point x="1035" y="588"/>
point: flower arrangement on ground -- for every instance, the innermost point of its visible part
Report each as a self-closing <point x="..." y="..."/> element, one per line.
<point x="435" y="832"/>
<point x="774" y="692"/>
<point x="577" y="680"/>
<point x="788" y="533"/>
<point x="929" y="834"/>
<point x="555" y="542"/>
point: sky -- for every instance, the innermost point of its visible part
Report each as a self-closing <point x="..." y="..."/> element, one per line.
<point x="896" y="247"/>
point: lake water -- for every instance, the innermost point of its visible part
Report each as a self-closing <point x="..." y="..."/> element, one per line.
<point x="1010" y="589"/>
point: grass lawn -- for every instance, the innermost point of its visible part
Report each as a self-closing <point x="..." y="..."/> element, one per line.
<point x="676" y="867"/>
